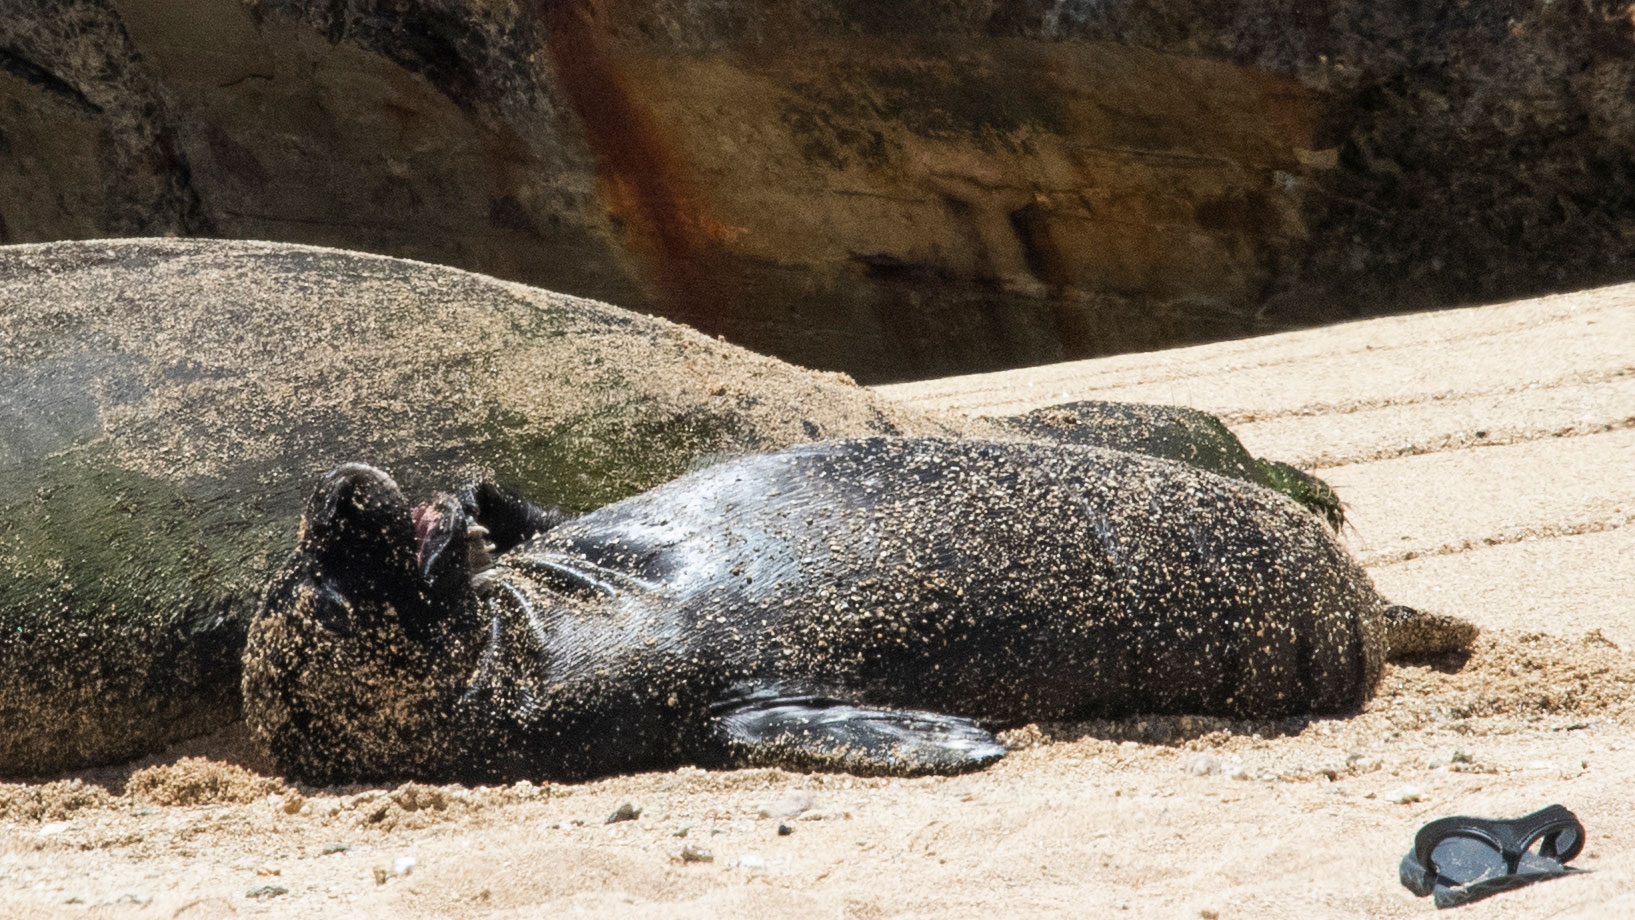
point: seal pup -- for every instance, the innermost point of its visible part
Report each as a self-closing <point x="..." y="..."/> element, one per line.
<point x="876" y="606"/>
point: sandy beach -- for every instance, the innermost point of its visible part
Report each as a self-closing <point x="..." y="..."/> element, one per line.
<point x="1484" y="455"/>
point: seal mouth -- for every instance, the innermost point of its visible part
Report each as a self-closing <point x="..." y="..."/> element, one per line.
<point x="424" y="519"/>
<point x="437" y="523"/>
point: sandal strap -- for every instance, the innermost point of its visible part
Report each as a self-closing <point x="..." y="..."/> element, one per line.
<point x="1511" y="838"/>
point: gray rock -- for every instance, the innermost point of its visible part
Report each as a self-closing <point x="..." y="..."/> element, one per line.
<point x="267" y="891"/>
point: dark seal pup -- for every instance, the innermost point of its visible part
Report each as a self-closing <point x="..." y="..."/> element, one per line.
<point x="872" y="605"/>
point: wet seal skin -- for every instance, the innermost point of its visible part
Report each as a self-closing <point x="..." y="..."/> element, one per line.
<point x="876" y="606"/>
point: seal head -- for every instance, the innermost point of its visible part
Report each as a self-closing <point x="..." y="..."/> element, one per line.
<point x="374" y="647"/>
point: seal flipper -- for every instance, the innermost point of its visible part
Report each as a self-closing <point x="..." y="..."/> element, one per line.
<point x="772" y="729"/>
<point x="1411" y="633"/>
<point x="510" y="519"/>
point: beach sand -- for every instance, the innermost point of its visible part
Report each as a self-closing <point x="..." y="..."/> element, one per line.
<point x="1485" y="457"/>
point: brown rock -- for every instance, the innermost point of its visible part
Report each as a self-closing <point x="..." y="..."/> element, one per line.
<point x="949" y="186"/>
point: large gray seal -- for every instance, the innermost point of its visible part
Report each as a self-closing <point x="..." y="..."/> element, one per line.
<point x="875" y="605"/>
<point x="164" y="403"/>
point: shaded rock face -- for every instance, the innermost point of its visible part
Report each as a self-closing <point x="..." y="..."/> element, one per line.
<point x="1471" y="150"/>
<point x="165" y="405"/>
<point x="896" y="190"/>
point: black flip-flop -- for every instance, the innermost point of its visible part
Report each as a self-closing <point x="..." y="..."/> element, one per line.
<point x="1465" y="859"/>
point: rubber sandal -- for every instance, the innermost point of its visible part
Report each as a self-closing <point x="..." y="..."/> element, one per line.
<point x="1464" y="859"/>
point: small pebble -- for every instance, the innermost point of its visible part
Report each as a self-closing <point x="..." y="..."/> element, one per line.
<point x="751" y="861"/>
<point x="1362" y="762"/>
<point x="788" y="805"/>
<point x="1405" y="795"/>
<point x="382" y="874"/>
<point x="694" y="853"/>
<point x="55" y="827"/>
<point x="333" y="848"/>
<point x="267" y="891"/>
<point x="785" y="830"/>
<point x="1204" y="765"/>
<point x="625" y="812"/>
<point x="403" y="865"/>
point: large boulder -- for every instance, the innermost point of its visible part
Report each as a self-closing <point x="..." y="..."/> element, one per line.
<point x="165" y="405"/>
<point x="893" y="189"/>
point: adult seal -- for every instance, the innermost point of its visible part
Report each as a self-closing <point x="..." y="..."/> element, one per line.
<point x="875" y="605"/>
<point x="163" y="404"/>
<point x="1180" y="433"/>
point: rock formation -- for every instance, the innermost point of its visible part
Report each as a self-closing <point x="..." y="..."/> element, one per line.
<point x="893" y="189"/>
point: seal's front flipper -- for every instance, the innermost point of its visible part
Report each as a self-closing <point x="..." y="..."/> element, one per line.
<point x="509" y="520"/>
<point x="818" y="733"/>
<point x="1410" y="633"/>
